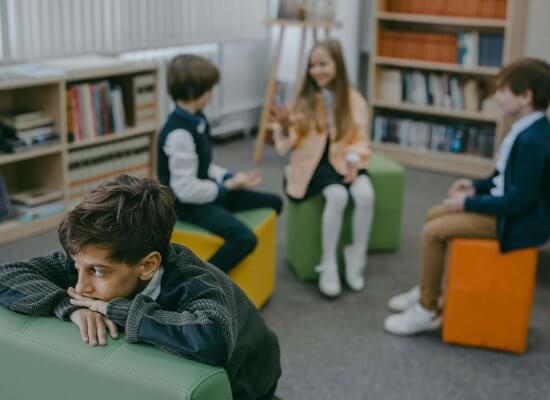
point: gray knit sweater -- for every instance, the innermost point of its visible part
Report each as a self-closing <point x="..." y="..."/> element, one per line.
<point x="199" y="314"/>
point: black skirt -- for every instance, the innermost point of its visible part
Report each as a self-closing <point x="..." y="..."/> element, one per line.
<point x="323" y="176"/>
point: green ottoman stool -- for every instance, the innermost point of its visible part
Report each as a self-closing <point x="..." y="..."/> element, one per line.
<point x="44" y="358"/>
<point x="303" y="220"/>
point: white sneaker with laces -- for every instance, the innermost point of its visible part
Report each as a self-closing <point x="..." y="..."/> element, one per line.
<point x="403" y="301"/>
<point x="416" y="319"/>
<point x="354" y="269"/>
<point x="329" y="280"/>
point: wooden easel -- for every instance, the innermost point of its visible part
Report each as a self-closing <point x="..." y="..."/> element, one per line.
<point x="314" y="26"/>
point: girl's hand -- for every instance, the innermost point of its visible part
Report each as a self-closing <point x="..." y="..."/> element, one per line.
<point x="351" y="174"/>
<point x="279" y="113"/>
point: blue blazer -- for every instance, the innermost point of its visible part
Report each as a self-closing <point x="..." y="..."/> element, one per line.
<point x="523" y="212"/>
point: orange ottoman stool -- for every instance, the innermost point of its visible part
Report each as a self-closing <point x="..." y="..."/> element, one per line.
<point x="489" y="295"/>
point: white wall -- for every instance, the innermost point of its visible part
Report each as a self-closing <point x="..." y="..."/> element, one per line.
<point x="537" y="43"/>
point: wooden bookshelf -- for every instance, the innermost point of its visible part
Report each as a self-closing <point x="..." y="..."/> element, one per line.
<point x="435" y="66"/>
<point x="440" y="20"/>
<point x="437" y="16"/>
<point x="49" y="166"/>
<point x="113" y="137"/>
<point x="436" y="161"/>
<point x="436" y="111"/>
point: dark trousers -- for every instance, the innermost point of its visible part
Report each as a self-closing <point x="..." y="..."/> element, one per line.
<point x="217" y="218"/>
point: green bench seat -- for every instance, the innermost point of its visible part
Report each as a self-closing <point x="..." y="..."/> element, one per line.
<point x="44" y="358"/>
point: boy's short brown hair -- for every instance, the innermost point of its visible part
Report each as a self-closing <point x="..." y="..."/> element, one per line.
<point x="190" y="76"/>
<point x="528" y="74"/>
<point x="130" y="216"/>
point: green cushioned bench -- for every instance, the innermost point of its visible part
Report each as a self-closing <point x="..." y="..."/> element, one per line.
<point x="44" y="358"/>
<point x="303" y="220"/>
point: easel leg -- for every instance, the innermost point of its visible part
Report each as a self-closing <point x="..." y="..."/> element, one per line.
<point x="260" y="139"/>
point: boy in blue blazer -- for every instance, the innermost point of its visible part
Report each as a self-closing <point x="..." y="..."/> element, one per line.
<point x="512" y="205"/>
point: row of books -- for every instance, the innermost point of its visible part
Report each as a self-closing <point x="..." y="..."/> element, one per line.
<point x="439" y="47"/>
<point x="25" y="130"/>
<point x="467" y="48"/>
<point x="423" y="88"/>
<point x="475" y="48"/>
<point x="94" y="110"/>
<point x="88" y="166"/>
<point x="433" y="136"/>
<point x="455" y="8"/>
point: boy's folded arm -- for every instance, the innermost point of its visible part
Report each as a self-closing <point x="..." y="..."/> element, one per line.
<point x="218" y="173"/>
<point x="201" y="332"/>
<point x="36" y="286"/>
<point x="523" y="193"/>
<point x="183" y="164"/>
<point x="484" y="185"/>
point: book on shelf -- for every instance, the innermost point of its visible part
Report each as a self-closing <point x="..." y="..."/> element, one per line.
<point x="36" y="197"/>
<point x="452" y="8"/>
<point x="30" y="213"/>
<point x="6" y="207"/>
<point x="425" y="135"/>
<point x="440" y="90"/>
<point x="291" y="9"/>
<point x="20" y="131"/>
<point x="89" y="166"/>
<point x="94" y="110"/>
<point x="145" y="98"/>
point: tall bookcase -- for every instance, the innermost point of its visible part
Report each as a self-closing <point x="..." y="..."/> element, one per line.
<point x="442" y="20"/>
<point x="53" y="166"/>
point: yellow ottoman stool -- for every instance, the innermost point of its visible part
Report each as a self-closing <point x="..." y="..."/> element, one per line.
<point x="255" y="275"/>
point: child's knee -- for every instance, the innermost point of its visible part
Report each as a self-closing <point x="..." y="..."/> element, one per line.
<point x="363" y="194"/>
<point x="247" y="241"/>
<point x="336" y="196"/>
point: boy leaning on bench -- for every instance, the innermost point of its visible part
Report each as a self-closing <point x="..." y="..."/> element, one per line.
<point x="119" y="271"/>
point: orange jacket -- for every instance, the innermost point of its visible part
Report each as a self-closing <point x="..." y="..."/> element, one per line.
<point x="306" y="152"/>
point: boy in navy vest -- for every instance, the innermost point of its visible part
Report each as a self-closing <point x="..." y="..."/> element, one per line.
<point x="206" y="194"/>
<point x="512" y="205"/>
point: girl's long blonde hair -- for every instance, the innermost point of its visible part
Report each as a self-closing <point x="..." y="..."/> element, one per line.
<point x="311" y="104"/>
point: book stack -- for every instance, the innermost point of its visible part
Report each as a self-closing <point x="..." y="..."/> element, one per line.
<point x="89" y="167"/>
<point x="434" y="89"/>
<point x="94" y="110"/>
<point x="452" y="8"/>
<point x="22" y="131"/>
<point x="427" y="135"/>
<point x="37" y="203"/>
<point x="418" y="45"/>
<point x="475" y="48"/>
<point x="145" y="99"/>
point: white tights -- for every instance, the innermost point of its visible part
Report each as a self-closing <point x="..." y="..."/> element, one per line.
<point x="336" y="197"/>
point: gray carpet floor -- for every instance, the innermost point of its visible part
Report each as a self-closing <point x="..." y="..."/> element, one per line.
<point x="338" y="349"/>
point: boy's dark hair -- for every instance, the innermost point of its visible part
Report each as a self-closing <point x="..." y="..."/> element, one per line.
<point x="130" y="216"/>
<point x="190" y="76"/>
<point x="528" y="74"/>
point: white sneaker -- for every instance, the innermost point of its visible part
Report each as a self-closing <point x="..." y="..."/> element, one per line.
<point x="329" y="280"/>
<point x="402" y="302"/>
<point x="412" y="321"/>
<point x="354" y="269"/>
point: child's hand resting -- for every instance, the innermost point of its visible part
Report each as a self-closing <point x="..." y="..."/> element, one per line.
<point x="93" y="326"/>
<point x="462" y="186"/>
<point x="244" y="180"/>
